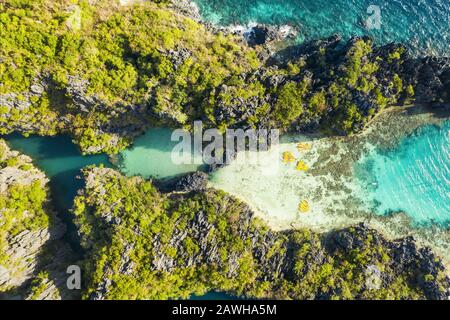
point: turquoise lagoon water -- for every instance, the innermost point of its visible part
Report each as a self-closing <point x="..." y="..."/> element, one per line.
<point x="151" y="156"/>
<point x="61" y="161"/>
<point x="414" y="177"/>
<point x="421" y="24"/>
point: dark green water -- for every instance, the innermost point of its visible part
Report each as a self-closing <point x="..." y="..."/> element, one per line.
<point x="62" y="161"/>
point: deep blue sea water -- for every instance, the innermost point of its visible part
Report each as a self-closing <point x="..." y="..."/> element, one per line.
<point x="424" y="25"/>
<point x="414" y="177"/>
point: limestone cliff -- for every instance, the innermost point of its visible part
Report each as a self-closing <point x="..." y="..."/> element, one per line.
<point x="141" y="244"/>
<point x="31" y="252"/>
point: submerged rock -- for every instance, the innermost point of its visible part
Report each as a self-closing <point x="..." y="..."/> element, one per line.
<point x="261" y="34"/>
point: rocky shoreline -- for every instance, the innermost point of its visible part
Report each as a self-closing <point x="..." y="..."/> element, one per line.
<point x="329" y="183"/>
<point x="34" y="253"/>
<point x="153" y="238"/>
<point x="252" y="34"/>
<point x="406" y="257"/>
<point x="284" y="263"/>
<point x="328" y="85"/>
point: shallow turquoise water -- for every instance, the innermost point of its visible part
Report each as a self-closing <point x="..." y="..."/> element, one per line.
<point x="61" y="160"/>
<point x="151" y="156"/>
<point x="421" y="24"/>
<point x="414" y="177"/>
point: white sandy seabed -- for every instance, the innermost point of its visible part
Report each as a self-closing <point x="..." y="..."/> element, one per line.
<point x="274" y="189"/>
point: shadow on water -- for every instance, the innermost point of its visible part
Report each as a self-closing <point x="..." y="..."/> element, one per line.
<point x="60" y="159"/>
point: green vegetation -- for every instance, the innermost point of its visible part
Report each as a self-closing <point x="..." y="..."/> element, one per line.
<point x="33" y="259"/>
<point x="140" y="210"/>
<point x="141" y="244"/>
<point x="38" y="285"/>
<point x="105" y="67"/>
<point x="104" y="72"/>
<point x="289" y="105"/>
<point x="346" y="93"/>
<point x="23" y="203"/>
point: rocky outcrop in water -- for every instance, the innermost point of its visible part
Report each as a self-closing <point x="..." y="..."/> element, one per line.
<point x="260" y="34"/>
<point x="265" y="34"/>
<point x="431" y="78"/>
<point x="195" y="181"/>
<point x="235" y="76"/>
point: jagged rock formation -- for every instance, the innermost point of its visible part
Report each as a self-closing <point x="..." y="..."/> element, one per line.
<point x="30" y="233"/>
<point x="141" y="244"/>
<point x="353" y="80"/>
<point x="104" y="90"/>
<point x="264" y="34"/>
<point x="252" y="34"/>
<point x="404" y="254"/>
<point x="195" y="181"/>
<point x="102" y="107"/>
<point x="106" y="93"/>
